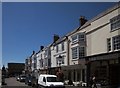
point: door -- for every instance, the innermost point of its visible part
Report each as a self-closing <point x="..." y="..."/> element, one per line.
<point x="114" y="74"/>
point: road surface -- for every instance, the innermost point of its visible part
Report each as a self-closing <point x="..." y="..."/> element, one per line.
<point x="12" y="83"/>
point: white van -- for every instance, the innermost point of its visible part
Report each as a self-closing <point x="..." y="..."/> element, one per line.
<point x="49" y="81"/>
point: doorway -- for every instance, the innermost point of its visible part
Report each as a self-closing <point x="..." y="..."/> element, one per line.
<point x="114" y="75"/>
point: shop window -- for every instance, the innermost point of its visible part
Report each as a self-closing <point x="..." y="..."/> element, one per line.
<point x="83" y="75"/>
<point x="78" y="76"/>
<point x="69" y="75"/>
<point x="74" y="75"/>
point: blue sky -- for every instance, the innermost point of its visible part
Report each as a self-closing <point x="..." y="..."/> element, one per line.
<point x="28" y="25"/>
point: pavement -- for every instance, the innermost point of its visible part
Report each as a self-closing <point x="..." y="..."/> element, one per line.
<point x="75" y="87"/>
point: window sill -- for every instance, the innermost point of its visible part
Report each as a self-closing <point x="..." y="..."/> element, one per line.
<point x="115" y="29"/>
<point x="74" y="59"/>
<point x="116" y="50"/>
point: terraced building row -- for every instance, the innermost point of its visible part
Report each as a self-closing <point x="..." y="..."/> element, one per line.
<point x="92" y="48"/>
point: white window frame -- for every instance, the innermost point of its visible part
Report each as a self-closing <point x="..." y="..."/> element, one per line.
<point x="75" y="53"/>
<point x="60" y="61"/>
<point x="81" y="37"/>
<point x="109" y="48"/>
<point x="81" y="52"/>
<point x="46" y="62"/>
<point x="62" y="46"/>
<point x="57" y="48"/>
<point x="115" y="22"/>
<point x="116" y="42"/>
<point x="74" y="38"/>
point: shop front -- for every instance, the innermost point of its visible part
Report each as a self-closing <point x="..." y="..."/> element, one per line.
<point x="105" y="67"/>
<point x="76" y="73"/>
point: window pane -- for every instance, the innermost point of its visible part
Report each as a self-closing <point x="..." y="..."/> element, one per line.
<point x="74" y="53"/>
<point x="74" y="39"/>
<point x="81" y="52"/>
<point x="109" y="44"/>
<point x="116" y="42"/>
<point x="57" y="48"/>
<point x="62" y="46"/>
<point x="82" y="37"/>
<point x="115" y="22"/>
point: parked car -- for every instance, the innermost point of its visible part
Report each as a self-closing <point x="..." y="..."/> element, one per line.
<point x="22" y="78"/>
<point x="31" y="80"/>
<point x="34" y="82"/>
<point x="18" y="78"/>
<point x="49" y="81"/>
<point x="28" y="80"/>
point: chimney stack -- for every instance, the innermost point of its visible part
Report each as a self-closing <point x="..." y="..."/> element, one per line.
<point x="33" y="52"/>
<point x="82" y="20"/>
<point x="55" y="38"/>
<point x="41" y="47"/>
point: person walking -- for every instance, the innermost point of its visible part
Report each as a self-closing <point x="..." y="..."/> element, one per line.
<point x="93" y="82"/>
<point x="60" y="75"/>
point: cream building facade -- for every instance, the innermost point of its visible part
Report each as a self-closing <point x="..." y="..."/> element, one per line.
<point x="103" y="46"/>
<point x="101" y="41"/>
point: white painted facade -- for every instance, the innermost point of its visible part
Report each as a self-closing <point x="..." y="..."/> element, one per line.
<point x="77" y="44"/>
<point x="33" y="57"/>
<point x="40" y="60"/>
<point x="59" y="57"/>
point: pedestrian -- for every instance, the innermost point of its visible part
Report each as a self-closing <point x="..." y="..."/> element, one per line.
<point x="70" y="82"/>
<point x="91" y="82"/>
<point x="94" y="82"/>
<point x="60" y="75"/>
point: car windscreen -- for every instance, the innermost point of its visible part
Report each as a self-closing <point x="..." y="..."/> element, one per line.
<point x="51" y="79"/>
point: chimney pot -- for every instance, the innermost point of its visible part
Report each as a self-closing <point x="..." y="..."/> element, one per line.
<point x="82" y="20"/>
<point x="41" y="47"/>
<point x="55" y="38"/>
